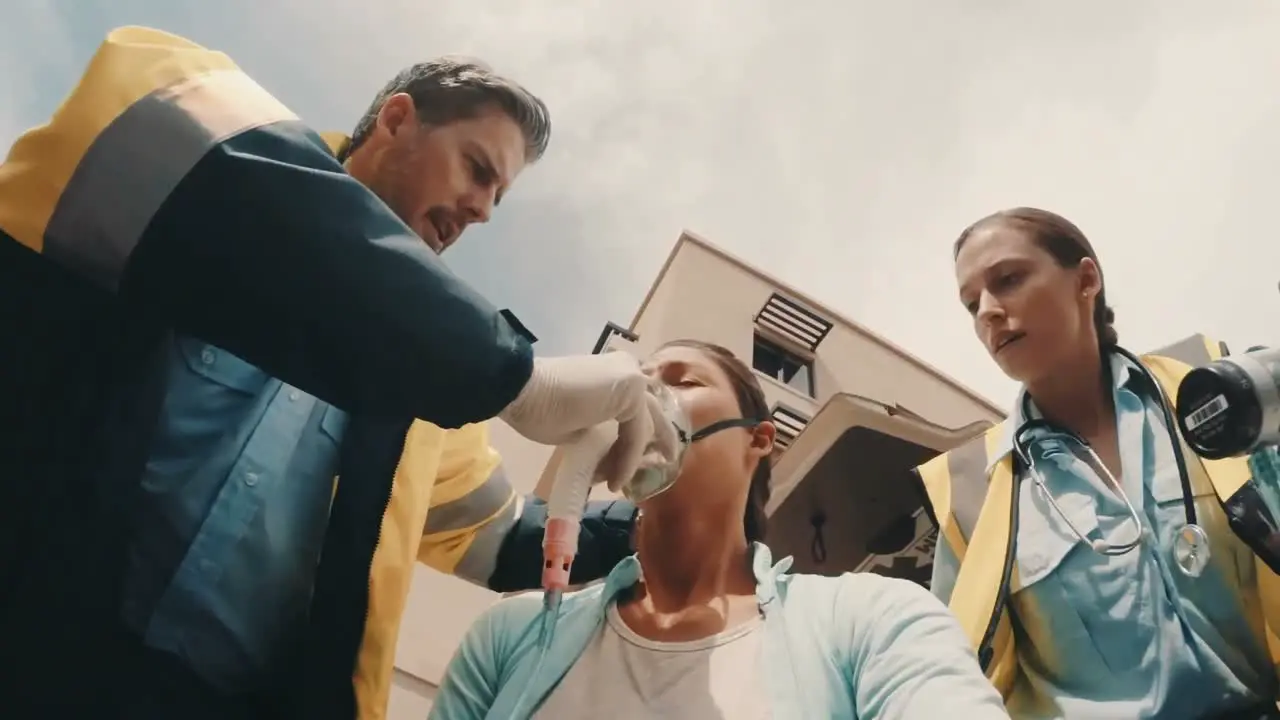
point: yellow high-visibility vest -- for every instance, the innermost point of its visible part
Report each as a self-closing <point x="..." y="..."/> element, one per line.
<point x="972" y="509"/>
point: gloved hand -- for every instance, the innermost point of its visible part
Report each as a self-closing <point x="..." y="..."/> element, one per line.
<point x="653" y="443"/>
<point x="567" y="395"/>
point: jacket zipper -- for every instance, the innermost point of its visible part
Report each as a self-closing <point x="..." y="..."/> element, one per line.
<point x="332" y="703"/>
<point x="395" y="471"/>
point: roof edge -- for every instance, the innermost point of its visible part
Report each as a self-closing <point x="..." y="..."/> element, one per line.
<point x="688" y="236"/>
<point x="685" y="235"/>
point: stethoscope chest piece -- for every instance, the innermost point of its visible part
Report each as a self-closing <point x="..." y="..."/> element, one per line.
<point x="1191" y="550"/>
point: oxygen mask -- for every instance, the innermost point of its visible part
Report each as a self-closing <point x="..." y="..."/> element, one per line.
<point x="651" y="481"/>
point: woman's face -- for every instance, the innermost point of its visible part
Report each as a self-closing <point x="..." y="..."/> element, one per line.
<point x="707" y="395"/>
<point x="1030" y="313"/>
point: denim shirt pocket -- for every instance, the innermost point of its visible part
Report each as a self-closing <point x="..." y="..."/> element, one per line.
<point x="209" y="395"/>
<point x="205" y="361"/>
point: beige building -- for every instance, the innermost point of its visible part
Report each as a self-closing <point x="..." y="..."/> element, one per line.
<point x="854" y="413"/>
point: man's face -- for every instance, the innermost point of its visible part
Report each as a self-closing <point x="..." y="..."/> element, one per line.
<point x="440" y="179"/>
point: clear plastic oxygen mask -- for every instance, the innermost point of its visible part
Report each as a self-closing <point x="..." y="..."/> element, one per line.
<point x="653" y="480"/>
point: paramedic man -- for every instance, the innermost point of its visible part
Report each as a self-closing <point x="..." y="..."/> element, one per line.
<point x="1090" y="636"/>
<point x="218" y="322"/>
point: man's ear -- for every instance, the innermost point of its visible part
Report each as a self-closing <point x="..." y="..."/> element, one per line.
<point x="397" y="114"/>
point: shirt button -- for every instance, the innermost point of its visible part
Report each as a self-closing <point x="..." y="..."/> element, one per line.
<point x="251" y="479"/>
<point x="207" y="357"/>
<point x="293" y="396"/>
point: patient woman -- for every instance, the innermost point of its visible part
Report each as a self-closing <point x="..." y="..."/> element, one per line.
<point x="702" y="624"/>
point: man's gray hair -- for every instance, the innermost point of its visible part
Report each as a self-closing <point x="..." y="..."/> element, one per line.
<point x="449" y="89"/>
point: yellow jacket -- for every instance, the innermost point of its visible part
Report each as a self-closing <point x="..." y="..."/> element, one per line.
<point x="170" y="191"/>
<point x="972" y="510"/>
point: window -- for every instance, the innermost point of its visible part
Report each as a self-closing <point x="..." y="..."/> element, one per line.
<point x="789" y="424"/>
<point x="770" y="359"/>
<point x="793" y="322"/>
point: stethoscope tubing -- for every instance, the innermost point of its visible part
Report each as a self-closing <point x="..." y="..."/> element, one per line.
<point x="1022" y="452"/>
<point x="1022" y="449"/>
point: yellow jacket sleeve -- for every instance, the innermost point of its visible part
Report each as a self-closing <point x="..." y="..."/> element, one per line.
<point x="473" y="507"/>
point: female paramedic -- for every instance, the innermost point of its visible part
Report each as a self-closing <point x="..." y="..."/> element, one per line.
<point x="713" y="627"/>
<point x="1083" y="548"/>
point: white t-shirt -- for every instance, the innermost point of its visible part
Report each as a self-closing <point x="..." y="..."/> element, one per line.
<point x="628" y="677"/>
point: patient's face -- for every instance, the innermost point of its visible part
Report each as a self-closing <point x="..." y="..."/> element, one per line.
<point x="707" y="395"/>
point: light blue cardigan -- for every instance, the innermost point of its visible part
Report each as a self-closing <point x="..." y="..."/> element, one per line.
<point x="854" y="647"/>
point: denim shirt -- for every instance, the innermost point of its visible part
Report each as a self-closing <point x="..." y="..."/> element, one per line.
<point x="1127" y="636"/>
<point x="236" y="501"/>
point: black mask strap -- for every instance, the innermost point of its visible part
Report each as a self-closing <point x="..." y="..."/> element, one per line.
<point x="716" y="427"/>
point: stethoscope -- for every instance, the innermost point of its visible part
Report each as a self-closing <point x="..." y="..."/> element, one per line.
<point x="1190" y="545"/>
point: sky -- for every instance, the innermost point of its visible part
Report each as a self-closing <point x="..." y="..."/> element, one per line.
<point x="840" y="145"/>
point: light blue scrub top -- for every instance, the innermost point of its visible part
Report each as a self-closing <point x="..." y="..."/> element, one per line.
<point x="854" y="647"/>
<point x="1128" y="636"/>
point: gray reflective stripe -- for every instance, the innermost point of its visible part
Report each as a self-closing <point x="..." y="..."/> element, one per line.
<point x="481" y="559"/>
<point x="473" y="508"/>
<point x="1190" y="351"/>
<point x="135" y="163"/>
<point x="967" y="466"/>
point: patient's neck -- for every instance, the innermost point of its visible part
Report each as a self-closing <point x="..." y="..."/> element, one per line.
<point x="693" y="558"/>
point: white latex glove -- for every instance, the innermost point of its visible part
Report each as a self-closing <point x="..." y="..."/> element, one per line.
<point x="567" y="395"/>
<point x="654" y="445"/>
<point x="579" y="466"/>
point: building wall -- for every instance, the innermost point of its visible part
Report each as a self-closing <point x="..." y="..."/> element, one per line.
<point x="710" y="296"/>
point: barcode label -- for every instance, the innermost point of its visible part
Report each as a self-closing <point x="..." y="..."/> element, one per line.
<point x="1207" y="412"/>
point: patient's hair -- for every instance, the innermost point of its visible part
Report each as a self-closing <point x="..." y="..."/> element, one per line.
<point x="752" y="404"/>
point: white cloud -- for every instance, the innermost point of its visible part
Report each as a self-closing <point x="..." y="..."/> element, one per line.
<point x="840" y="146"/>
